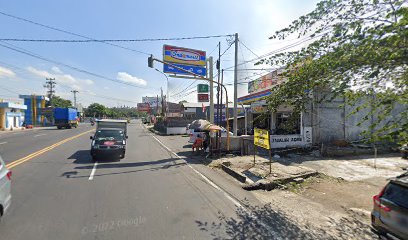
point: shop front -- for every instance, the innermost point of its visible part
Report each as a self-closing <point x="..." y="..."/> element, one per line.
<point x="286" y="130"/>
<point x="11" y="115"/>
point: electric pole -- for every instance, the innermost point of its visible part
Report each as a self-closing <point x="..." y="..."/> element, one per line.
<point x="235" y="123"/>
<point x="50" y="84"/>
<point x="75" y="99"/>
<point x="210" y="76"/>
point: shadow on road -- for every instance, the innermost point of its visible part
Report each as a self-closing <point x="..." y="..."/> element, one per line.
<point x="84" y="157"/>
<point x="266" y="223"/>
<point x="166" y="164"/>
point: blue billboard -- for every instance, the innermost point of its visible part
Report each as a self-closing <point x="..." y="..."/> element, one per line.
<point x="195" y="69"/>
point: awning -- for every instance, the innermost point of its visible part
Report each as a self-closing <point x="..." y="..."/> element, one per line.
<point x="254" y="97"/>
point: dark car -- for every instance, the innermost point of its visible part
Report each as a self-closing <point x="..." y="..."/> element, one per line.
<point x="389" y="217"/>
<point x="108" y="142"/>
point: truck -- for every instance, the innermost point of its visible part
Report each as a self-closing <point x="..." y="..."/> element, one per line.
<point x="112" y="123"/>
<point x="65" y="118"/>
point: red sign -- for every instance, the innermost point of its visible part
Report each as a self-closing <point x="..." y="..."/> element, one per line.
<point x="143" y="107"/>
<point x="203" y="97"/>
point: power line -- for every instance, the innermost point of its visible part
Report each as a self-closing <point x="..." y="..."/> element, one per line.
<point x="70" y="33"/>
<point x="110" y="40"/>
<point x="26" y="52"/>
<point x="256" y="55"/>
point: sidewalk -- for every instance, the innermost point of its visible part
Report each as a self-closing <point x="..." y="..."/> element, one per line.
<point x="339" y="198"/>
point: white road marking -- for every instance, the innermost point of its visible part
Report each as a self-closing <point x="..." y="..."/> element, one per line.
<point x="39" y="135"/>
<point x="227" y="195"/>
<point x="1" y="143"/>
<point x="93" y="171"/>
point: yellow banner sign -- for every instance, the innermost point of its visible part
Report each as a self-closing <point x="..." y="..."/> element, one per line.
<point x="261" y="138"/>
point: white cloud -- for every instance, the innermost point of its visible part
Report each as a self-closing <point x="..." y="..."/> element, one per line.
<point x="5" y="72"/>
<point x="106" y="88"/>
<point x="56" y="70"/>
<point x="126" y="77"/>
<point x="88" y="81"/>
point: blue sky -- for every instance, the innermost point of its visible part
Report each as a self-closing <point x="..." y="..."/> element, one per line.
<point x="253" y="20"/>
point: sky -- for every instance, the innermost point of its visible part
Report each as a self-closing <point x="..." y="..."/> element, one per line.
<point x="115" y="76"/>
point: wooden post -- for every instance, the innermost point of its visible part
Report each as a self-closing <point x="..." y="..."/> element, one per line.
<point x="270" y="161"/>
<point x="254" y="153"/>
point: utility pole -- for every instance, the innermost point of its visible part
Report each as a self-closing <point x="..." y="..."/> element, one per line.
<point x="50" y="84"/>
<point x="235" y="123"/>
<point x="162" y="101"/>
<point x="210" y="65"/>
<point x="75" y="99"/>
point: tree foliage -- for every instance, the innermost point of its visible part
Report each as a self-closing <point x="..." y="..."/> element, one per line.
<point x="59" y="102"/>
<point x="359" y="49"/>
<point x="99" y="111"/>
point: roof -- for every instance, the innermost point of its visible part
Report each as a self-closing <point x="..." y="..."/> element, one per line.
<point x="106" y="129"/>
<point x="111" y="120"/>
<point x="195" y="105"/>
<point x="12" y="105"/>
<point x="401" y="179"/>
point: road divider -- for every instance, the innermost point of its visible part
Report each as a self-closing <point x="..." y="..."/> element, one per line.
<point x="44" y="150"/>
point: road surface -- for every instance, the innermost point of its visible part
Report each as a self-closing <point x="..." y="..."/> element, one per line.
<point x="59" y="193"/>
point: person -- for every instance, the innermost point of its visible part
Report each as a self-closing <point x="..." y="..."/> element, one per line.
<point x="206" y="141"/>
<point x="198" y="143"/>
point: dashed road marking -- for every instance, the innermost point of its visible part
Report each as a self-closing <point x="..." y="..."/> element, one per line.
<point x="93" y="171"/>
<point x="39" y="135"/>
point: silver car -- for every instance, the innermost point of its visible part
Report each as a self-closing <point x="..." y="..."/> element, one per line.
<point x="5" y="186"/>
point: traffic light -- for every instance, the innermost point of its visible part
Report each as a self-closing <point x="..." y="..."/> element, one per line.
<point x="150" y="61"/>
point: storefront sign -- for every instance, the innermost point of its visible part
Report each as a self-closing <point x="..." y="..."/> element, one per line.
<point x="186" y="56"/>
<point x="264" y="82"/>
<point x="202" y="71"/>
<point x="143" y="107"/>
<point x="261" y="138"/>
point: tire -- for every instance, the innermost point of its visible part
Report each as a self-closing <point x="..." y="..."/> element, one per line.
<point x="59" y="127"/>
<point x="93" y="158"/>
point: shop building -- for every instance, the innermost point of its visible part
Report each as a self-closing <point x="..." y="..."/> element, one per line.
<point x="33" y="114"/>
<point x="11" y="115"/>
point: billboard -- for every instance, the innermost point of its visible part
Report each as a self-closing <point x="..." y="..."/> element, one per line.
<point x="261" y="138"/>
<point x="202" y="71"/>
<point x="203" y="97"/>
<point x="265" y="82"/>
<point x="185" y="56"/>
<point x="152" y="101"/>
<point x="203" y="88"/>
<point x="143" y="107"/>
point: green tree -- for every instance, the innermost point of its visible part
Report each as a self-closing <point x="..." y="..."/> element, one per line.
<point x="59" y="102"/>
<point x="358" y="49"/>
<point x="95" y="110"/>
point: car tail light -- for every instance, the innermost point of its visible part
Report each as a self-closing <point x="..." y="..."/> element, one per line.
<point x="377" y="201"/>
<point x="9" y="173"/>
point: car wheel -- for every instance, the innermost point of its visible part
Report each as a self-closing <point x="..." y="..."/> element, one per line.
<point x="93" y="158"/>
<point x="59" y="127"/>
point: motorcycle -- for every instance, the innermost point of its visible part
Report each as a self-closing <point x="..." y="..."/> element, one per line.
<point x="92" y="123"/>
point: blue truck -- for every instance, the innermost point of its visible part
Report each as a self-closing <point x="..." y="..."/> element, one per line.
<point x="65" y="118"/>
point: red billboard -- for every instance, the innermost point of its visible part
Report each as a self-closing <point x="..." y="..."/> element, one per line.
<point x="143" y="107"/>
<point x="203" y="97"/>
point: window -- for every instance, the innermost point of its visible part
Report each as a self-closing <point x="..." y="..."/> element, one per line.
<point x="396" y="194"/>
<point x="287" y="123"/>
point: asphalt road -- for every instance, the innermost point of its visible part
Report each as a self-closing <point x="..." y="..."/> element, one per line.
<point x="150" y="194"/>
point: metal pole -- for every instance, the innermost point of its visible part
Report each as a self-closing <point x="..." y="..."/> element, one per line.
<point x="270" y="161"/>
<point x="210" y="63"/>
<point x="235" y="123"/>
<point x="167" y="88"/>
<point x="219" y="112"/>
<point x="245" y="116"/>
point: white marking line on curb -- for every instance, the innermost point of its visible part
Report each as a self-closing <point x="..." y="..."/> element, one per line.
<point x="93" y="171"/>
<point x="39" y="135"/>
<point x="227" y="195"/>
<point x="1" y="143"/>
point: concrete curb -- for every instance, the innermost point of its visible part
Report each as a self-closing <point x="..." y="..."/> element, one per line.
<point x="238" y="176"/>
<point x="270" y="185"/>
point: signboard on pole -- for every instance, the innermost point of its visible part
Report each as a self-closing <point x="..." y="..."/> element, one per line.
<point x="202" y="71"/>
<point x="261" y="138"/>
<point x="185" y="56"/>
<point x="202" y="97"/>
<point x="202" y="88"/>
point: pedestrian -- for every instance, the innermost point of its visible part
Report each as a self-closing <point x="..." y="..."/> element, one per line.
<point x="198" y="143"/>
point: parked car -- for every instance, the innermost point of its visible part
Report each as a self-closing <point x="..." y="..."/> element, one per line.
<point x="389" y="217"/>
<point x="5" y="186"/>
<point x="108" y="142"/>
<point x="193" y="133"/>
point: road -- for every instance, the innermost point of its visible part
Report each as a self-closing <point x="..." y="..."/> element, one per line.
<point x="59" y="193"/>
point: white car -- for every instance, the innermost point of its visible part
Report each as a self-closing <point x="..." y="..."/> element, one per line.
<point x="194" y="133"/>
<point x="5" y="187"/>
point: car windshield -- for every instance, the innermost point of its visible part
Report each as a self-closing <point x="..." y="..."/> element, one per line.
<point x="109" y="135"/>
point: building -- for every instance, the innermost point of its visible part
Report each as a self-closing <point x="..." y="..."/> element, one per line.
<point x="33" y="115"/>
<point x="194" y="111"/>
<point x="11" y="115"/>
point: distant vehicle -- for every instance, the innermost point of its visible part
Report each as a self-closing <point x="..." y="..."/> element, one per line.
<point x="193" y="133"/>
<point x="65" y="118"/>
<point x="5" y="187"/>
<point x="112" y="123"/>
<point x="108" y="142"/>
<point x="390" y="213"/>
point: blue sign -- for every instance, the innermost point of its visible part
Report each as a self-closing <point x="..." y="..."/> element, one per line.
<point x="202" y="71"/>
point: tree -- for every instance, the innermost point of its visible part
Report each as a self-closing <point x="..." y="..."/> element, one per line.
<point x="359" y="49"/>
<point x="59" y="102"/>
<point x="95" y="110"/>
